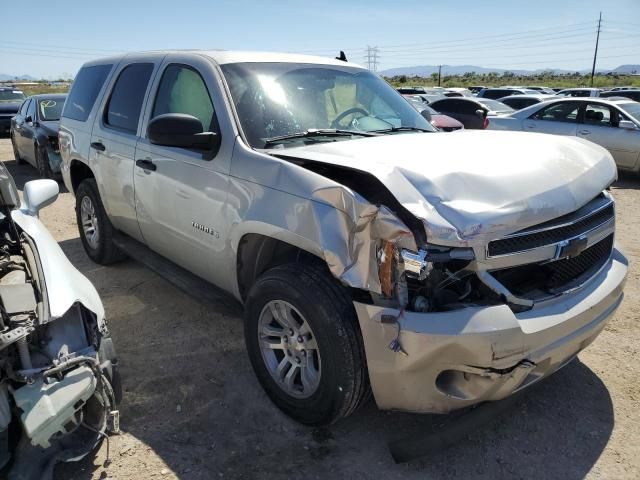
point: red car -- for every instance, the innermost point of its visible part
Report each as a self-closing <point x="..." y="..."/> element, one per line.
<point x="438" y="120"/>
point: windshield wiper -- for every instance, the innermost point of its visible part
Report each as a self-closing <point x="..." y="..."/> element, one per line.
<point x="402" y="129"/>
<point x="319" y="132"/>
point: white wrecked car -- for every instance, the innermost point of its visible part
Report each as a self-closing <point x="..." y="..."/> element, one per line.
<point x="59" y="382"/>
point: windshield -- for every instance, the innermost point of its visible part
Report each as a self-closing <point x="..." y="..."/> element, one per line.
<point x="11" y="96"/>
<point x="495" y="105"/>
<point x="632" y="109"/>
<point x="50" y="109"/>
<point x="281" y="99"/>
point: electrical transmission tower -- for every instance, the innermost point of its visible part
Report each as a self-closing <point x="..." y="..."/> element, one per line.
<point x="372" y="58"/>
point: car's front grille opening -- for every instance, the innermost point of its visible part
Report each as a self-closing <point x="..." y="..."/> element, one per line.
<point x="534" y="281"/>
<point x="541" y="235"/>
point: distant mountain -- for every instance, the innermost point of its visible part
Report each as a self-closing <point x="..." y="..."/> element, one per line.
<point x="427" y="70"/>
<point x="628" y="69"/>
<point x="4" y="77"/>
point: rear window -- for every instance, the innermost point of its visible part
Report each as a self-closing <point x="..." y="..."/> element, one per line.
<point x="123" y="109"/>
<point x="84" y="91"/>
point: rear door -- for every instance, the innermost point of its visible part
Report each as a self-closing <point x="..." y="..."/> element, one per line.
<point x="114" y="138"/>
<point x="181" y="193"/>
<point x="559" y="118"/>
<point x="600" y="125"/>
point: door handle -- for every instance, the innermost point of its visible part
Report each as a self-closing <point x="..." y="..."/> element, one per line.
<point x="146" y="164"/>
<point x="530" y="126"/>
<point x="585" y="132"/>
<point x="98" y="146"/>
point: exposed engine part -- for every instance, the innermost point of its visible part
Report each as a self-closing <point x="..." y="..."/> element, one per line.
<point x="56" y="374"/>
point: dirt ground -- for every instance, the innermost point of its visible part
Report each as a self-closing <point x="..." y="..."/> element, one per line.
<point x="193" y="409"/>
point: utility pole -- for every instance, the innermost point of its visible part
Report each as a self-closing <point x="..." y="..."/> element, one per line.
<point x="439" y="73"/>
<point x="595" y="53"/>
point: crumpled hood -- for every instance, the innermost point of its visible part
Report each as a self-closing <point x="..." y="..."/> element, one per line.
<point x="50" y="127"/>
<point x="471" y="186"/>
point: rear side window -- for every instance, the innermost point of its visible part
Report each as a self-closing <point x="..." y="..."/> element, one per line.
<point x="85" y="89"/>
<point x="125" y="103"/>
<point x="182" y="90"/>
<point x="495" y="94"/>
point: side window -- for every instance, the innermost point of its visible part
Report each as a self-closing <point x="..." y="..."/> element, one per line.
<point x="559" y="112"/>
<point x="24" y="106"/>
<point x="123" y="109"/>
<point x="31" y="110"/>
<point x="468" y="108"/>
<point x="446" y="106"/>
<point x="84" y="91"/>
<point x="182" y="90"/>
<point x="598" y="114"/>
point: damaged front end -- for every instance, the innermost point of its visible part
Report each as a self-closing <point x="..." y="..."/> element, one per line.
<point x="59" y="384"/>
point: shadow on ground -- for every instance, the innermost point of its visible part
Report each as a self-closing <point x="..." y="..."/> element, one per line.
<point x="191" y="397"/>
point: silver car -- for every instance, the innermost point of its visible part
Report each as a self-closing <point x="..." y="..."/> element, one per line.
<point x="614" y="124"/>
<point x="437" y="270"/>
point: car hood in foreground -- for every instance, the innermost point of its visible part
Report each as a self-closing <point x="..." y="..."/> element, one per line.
<point x="472" y="186"/>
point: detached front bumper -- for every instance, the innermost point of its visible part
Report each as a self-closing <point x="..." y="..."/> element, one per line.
<point x="459" y="358"/>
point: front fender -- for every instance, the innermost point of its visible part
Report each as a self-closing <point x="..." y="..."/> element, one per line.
<point x="65" y="284"/>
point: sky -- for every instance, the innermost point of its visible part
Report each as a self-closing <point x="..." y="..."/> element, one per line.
<point x="490" y="33"/>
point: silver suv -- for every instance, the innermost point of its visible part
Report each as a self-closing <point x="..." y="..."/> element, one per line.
<point x="437" y="270"/>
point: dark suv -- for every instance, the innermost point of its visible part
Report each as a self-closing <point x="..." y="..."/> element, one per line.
<point x="10" y="101"/>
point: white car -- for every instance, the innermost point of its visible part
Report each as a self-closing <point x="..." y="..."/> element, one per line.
<point x="579" y="92"/>
<point x="614" y="124"/>
<point x="59" y="380"/>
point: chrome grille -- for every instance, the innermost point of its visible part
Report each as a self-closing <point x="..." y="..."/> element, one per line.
<point x="551" y="232"/>
<point x="558" y="276"/>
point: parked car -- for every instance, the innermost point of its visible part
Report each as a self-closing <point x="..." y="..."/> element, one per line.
<point x="34" y="133"/>
<point x="579" y="92"/>
<point x="632" y="94"/>
<point x="518" y="102"/>
<point x="458" y="92"/>
<point x="473" y="113"/>
<point x="613" y="124"/>
<point x="475" y="89"/>
<point x="437" y="119"/>
<point x="496" y="93"/>
<point x="368" y="251"/>
<point x="615" y="89"/>
<point x="60" y="384"/>
<point x="542" y="90"/>
<point x="10" y="100"/>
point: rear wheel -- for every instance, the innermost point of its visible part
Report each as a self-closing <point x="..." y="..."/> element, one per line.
<point x="96" y="231"/>
<point x="16" y="153"/>
<point x="42" y="162"/>
<point x="305" y="345"/>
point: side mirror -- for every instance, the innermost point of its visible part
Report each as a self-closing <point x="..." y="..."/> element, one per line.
<point x="627" y="125"/>
<point x="28" y="119"/>
<point x="37" y="194"/>
<point x="181" y="130"/>
<point x="426" y="115"/>
<point x="481" y="113"/>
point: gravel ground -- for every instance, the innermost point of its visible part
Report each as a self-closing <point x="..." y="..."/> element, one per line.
<point x="193" y="409"/>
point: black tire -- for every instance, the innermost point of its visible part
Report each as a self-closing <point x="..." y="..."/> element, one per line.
<point x="105" y="251"/>
<point x="42" y="162"/>
<point x="327" y="307"/>
<point x="16" y="153"/>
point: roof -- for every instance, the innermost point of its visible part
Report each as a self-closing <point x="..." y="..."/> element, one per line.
<point x="222" y="57"/>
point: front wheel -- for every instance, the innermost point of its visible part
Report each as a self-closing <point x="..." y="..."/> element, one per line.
<point x="305" y="345"/>
<point x="96" y="231"/>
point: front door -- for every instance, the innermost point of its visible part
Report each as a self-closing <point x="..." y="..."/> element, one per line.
<point x="559" y="118"/>
<point x="600" y="125"/>
<point x="181" y="193"/>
